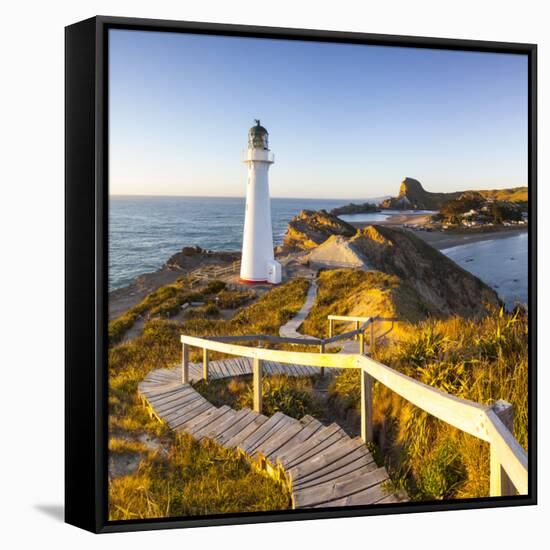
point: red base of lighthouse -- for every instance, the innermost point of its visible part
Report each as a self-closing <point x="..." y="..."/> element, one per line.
<point x="257" y="282"/>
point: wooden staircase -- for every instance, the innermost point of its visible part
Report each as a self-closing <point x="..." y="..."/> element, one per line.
<point x="321" y="465"/>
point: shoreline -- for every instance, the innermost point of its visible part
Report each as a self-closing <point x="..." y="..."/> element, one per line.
<point x="445" y="239"/>
<point x="123" y="298"/>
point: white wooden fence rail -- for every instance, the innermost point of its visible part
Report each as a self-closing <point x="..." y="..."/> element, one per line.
<point x="508" y="460"/>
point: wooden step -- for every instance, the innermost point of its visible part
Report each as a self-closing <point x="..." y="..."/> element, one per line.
<point x="324" y="438"/>
<point x="366" y="487"/>
<point x="323" y="460"/>
<point x="248" y="444"/>
<point x="309" y="429"/>
<point x="238" y="427"/>
<point x="324" y="466"/>
<point x="238" y="438"/>
<point x="222" y="425"/>
<point x="178" y="421"/>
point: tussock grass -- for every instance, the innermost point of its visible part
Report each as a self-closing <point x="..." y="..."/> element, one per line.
<point x="362" y="293"/>
<point x="194" y="478"/>
<point x="482" y="361"/>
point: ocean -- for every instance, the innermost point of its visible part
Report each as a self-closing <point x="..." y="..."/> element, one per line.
<point x="501" y="263"/>
<point x="145" y="231"/>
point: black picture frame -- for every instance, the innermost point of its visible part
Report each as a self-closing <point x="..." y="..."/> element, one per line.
<point x="86" y="294"/>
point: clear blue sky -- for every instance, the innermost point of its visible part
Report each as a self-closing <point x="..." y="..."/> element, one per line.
<point x="345" y="121"/>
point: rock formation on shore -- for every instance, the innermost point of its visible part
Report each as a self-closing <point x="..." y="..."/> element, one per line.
<point x="192" y="257"/>
<point x="413" y="196"/>
<point x="353" y="208"/>
<point x="311" y="228"/>
<point x="442" y="284"/>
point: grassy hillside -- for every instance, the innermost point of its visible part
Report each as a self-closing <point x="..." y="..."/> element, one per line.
<point x="362" y="293"/>
<point x="177" y="475"/>
<point x="482" y="361"/>
<point x="514" y="194"/>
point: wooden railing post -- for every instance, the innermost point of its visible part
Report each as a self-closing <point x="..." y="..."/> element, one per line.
<point x="322" y="350"/>
<point x="184" y="364"/>
<point x="257" y="381"/>
<point x="356" y="328"/>
<point x="366" y="406"/>
<point x="205" y="362"/>
<point x="330" y="328"/>
<point x="500" y="484"/>
<point x="362" y="343"/>
<point x="371" y="344"/>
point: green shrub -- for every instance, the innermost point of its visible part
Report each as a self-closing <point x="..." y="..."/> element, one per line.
<point x="281" y="393"/>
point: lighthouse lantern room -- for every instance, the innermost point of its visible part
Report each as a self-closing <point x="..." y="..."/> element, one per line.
<point x="258" y="264"/>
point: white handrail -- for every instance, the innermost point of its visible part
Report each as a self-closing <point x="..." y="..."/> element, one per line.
<point x="470" y="417"/>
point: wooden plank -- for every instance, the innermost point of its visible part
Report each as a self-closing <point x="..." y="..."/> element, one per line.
<point x="508" y="452"/>
<point x="287" y="357"/>
<point x="284" y="424"/>
<point x="366" y="407"/>
<point x="371" y="495"/>
<point x="307" y="432"/>
<point x="499" y="482"/>
<point x="198" y="419"/>
<point x="324" y="437"/>
<point x="344" y="490"/>
<point x="460" y="413"/>
<point x="178" y="401"/>
<point x="322" y="446"/>
<point x="162" y="399"/>
<point x="228" y="416"/>
<point x="279" y="439"/>
<point x="322" y="461"/>
<point x="236" y="440"/>
<point x="265" y="429"/>
<point x="177" y="422"/>
<point x="359" y="466"/>
<point x="239" y="427"/>
<point x="184" y="364"/>
<point x="180" y="408"/>
<point x="156" y="391"/>
<point x="188" y="408"/>
<point x="224" y="424"/>
<point x="344" y="466"/>
<point x="257" y="385"/>
<point x="193" y="426"/>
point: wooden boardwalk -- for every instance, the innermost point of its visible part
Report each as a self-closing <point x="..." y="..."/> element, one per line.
<point x="322" y="465"/>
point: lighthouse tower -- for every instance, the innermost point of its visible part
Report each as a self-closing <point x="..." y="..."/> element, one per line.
<point x="258" y="264"/>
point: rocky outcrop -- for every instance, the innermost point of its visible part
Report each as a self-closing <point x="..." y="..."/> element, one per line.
<point x="193" y="257"/>
<point x="413" y="196"/>
<point x="353" y="208"/>
<point x="443" y="285"/>
<point x="311" y="228"/>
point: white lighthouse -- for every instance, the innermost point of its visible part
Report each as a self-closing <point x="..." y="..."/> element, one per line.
<point x="258" y="263"/>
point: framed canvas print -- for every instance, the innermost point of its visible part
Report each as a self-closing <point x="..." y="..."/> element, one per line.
<point x="300" y="274"/>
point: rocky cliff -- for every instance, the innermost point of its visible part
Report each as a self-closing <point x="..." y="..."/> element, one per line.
<point x="443" y="285"/>
<point x="353" y="208"/>
<point x="311" y="228"/>
<point x="193" y="257"/>
<point x="413" y="196"/>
